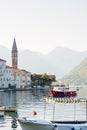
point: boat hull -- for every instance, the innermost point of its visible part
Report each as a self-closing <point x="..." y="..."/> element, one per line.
<point x="35" y="125"/>
<point x="71" y="125"/>
<point x="57" y="94"/>
<point x="55" y="125"/>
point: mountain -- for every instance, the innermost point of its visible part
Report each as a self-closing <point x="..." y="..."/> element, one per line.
<point x="78" y="75"/>
<point x="5" y="54"/>
<point x="58" y="62"/>
<point x="64" y="60"/>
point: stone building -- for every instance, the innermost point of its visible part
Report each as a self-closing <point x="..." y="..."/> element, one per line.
<point x="14" y="77"/>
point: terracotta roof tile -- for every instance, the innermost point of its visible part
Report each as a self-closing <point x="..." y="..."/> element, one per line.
<point x="2" y="60"/>
<point x="7" y="66"/>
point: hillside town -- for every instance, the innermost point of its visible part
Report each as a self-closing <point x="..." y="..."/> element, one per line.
<point x="13" y="77"/>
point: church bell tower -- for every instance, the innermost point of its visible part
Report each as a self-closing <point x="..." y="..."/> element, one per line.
<point x="14" y="55"/>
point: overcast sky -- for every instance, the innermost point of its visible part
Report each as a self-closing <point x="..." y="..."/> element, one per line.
<point x="42" y="25"/>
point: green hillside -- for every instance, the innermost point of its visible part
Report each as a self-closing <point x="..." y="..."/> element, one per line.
<point x="78" y="75"/>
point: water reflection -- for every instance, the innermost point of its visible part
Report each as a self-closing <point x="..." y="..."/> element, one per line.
<point x="28" y="101"/>
<point x="8" y="98"/>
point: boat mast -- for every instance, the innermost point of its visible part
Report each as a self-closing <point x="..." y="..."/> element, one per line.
<point x="74" y="110"/>
<point x="86" y="109"/>
<point x="44" y="108"/>
<point x="53" y="110"/>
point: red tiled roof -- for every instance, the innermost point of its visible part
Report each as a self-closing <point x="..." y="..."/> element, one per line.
<point x="51" y="76"/>
<point x="20" y="70"/>
<point x="7" y="66"/>
<point x="2" y="60"/>
<point x="24" y="70"/>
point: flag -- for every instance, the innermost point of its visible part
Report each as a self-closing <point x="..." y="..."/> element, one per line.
<point x="34" y="113"/>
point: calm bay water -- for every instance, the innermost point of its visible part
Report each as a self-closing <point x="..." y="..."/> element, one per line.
<point x="28" y="101"/>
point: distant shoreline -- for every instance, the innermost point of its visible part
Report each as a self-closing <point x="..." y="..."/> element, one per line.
<point x="21" y="89"/>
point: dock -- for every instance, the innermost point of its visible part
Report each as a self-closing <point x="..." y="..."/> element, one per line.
<point x="8" y="109"/>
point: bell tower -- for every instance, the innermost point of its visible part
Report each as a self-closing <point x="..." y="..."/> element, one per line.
<point x="14" y="55"/>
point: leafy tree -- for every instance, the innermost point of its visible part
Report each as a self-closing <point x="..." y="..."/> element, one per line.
<point x="41" y="80"/>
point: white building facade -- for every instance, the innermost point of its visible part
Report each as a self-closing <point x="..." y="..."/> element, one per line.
<point x="6" y="75"/>
<point x="13" y="78"/>
<point x="23" y="76"/>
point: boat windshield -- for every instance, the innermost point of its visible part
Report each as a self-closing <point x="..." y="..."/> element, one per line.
<point x="59" y="88"/>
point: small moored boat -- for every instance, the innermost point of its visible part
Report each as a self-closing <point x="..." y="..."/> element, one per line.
<point x="38" y="124"/>
<point x="32" y="124"/>
<point x="62" y="90"/>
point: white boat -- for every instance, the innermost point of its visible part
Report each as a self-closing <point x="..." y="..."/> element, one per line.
<point x="37" y="124"/>
<point x="32" y="124"/>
